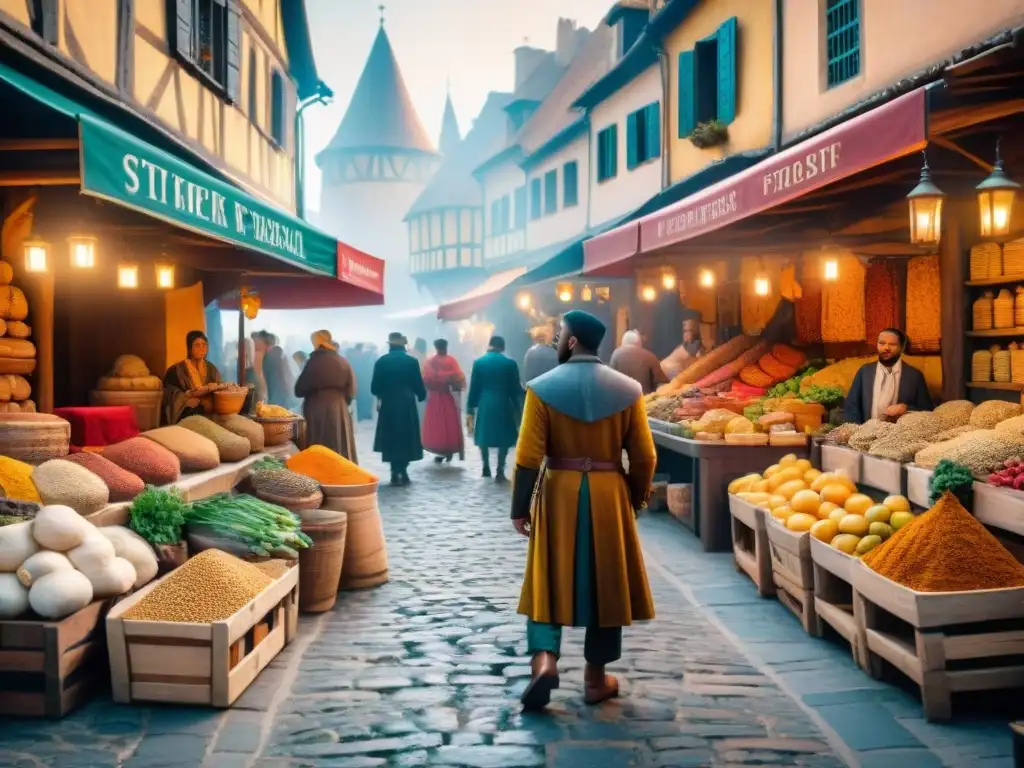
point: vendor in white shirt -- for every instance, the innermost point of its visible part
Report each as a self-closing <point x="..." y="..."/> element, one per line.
<point x="889" y="388"/>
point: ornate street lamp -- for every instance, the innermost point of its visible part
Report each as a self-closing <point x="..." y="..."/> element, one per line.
<point x="996" y="196"/>
<point x="83" y="251"/>
<point x="925" y="209"/>
<point x="37" y="255"/>
<point x="706" y="278"/>
<point x="128" y="276"/>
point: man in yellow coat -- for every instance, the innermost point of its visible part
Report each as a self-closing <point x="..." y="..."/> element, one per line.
<point x="577" y="504"/>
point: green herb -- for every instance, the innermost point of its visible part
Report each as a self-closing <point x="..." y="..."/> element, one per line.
<point x="266" y="463"/>
<point x="158" y="515"/>
<point x="754" y="412"/>
<point x="827" y="396"/>
<point x="12" y="519"/>
<point x="950" y="476"/>
<point x="263" y="527"/>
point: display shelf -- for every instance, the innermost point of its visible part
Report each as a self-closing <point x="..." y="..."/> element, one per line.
<point x="992" y="281"/>
<point x="918" y="480"/>
<point x="793" y="572"/>
<point x="750" y="544"/>
<point x="838" y="458"/>
<point x="833" y="596"/>
<point x="996" y="333"/>
<point x="1000" y="386"/>
<point x="884" y="474"/>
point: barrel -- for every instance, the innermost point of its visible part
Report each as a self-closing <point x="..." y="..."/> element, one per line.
<point x="366" y="555"/>
<point x="320" y="565"/>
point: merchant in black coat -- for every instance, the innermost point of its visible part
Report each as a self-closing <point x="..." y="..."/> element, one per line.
<point x="889" y="388"/>
<point x="398" y="385"/>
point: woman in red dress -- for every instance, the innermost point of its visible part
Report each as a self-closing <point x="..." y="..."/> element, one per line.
<point x="442" y="422"/>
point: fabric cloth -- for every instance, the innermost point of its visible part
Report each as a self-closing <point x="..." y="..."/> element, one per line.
<point x="539" y="359"/>
<point x="912" y="391"/>
<point x="442" y="422"/>
<point x="398" y="385"/>
<point x="886" y="389"/>
<point x="278" y="375"/>
<point x="181" y="379"/>
<point x="327" y="386"/>
<point x="577" y="411"/>
<point x="641" y="365"/>
<point x="495" y="399"/>
<point x="100" y="425"/>
<point x="323" y="339"/>
<point x="587" y="329"/>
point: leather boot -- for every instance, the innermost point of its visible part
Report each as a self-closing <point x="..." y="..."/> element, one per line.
<point x="598" y="686"/>
<point x="545" y="679"/>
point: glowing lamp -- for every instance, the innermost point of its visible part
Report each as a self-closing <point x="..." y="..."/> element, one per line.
<point x="706" y="278"/>
<point x="524" y="301"/>
<point x="996" y="196"/>
<point x="668" y="280"/>
<point x="648" y="293"/>
<point x="831" y="270"/>
<point x="762" y="285"/>
<point x="165" y="276"/>
<point x="128" y="276"/>
<point x="586" y="294"/>
<point x="37" y="254"/>
<point x="925" y="210"/>
<point x="83" y="251"/>
<point x="565" y="292"/>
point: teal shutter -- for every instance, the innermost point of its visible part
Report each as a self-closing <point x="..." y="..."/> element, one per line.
<point x="613" y="151"/>
<point x="687" y="95"/>
<point x="727" y="71"/>
<point x="653" y="125"/>
<point x="632" y="143"/>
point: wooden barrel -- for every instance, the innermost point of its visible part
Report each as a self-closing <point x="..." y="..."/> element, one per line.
<point x="320" y="565"/>
<point x="366" y="555"/>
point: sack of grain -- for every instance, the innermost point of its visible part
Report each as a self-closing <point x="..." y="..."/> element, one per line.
<point x="121" y="484"/>
<point x="280" y="486"/>
<point x="979" y="451"/>
<point x="195" y="452"/>
<point x="129" y="367"/>
<point x="152" y="462"/>
<point x="63" y="482"/>
<point x="230" y="447"/>
<point x="991" y="412"/>
<point x="244" y="427"/>
<point x="954" y="413"/>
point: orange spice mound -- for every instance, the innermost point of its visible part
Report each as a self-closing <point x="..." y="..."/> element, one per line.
<point x="946" y="550"/>
<point x="329" y="468"/>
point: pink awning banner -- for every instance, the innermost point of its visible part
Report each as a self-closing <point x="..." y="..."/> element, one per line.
<point x="478" y="298"/>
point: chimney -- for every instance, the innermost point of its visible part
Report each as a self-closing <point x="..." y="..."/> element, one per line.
<point x="565" y="46"/>
<point x="527" y="59"/>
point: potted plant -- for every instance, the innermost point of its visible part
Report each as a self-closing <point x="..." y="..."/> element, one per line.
<point x="709" y="134"/>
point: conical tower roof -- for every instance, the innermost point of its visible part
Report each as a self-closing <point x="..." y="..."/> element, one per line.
<point x="450" y="136"/>
<point x="381" y="114"/>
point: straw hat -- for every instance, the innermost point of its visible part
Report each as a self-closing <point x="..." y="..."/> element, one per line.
<point x="323" y="339"/>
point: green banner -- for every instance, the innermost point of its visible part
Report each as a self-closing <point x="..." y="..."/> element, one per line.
<point x="119" y="167"/>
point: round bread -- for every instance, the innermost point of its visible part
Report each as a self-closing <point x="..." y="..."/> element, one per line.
<point x="122" y="484"/>
<point x="230" y="446"/>
<point x="149" y="460"/>
<point x="246" y="428"/>
<point x="63" y="482"/>
<point x="195" y="452"/>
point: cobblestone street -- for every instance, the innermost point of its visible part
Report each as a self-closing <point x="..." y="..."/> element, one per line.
<point x="427" y="669"/>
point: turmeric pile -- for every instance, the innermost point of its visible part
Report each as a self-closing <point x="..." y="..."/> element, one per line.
<point x="329" y="468"/>
<point x="16" y="480"/>
<point x="946" y="550"/>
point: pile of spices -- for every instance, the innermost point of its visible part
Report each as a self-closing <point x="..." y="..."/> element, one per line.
<point x="881" y="308"/>
<point x="16" y="480"/>
<point x="946" y="550"/>
<point x="329" y="468"/>
<point x="924" y="302"/>
<point x="212" y="586"/>
<point x="842" y="303"/>
<point x="275" y="569"/>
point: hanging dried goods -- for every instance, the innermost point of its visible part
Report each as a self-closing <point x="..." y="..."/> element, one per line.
<point x="881" y="307"/>
<point x="924" y="303"/>
<point x="808" y="313"/>
<point x="842" y="309"/>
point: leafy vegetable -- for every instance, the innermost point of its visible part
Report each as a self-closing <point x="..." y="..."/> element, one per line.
<point x="827" y="396"/>
<point x="267" y="462"/>
<point x="158" y="515"/>
<point x="950" y="476"/>
<point x="267" y="529"/>
<point x="754" y="412"/>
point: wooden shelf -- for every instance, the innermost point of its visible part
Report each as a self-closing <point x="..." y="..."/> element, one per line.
<point x="990" y="281"/>
<point x="1008" y="387"/>
<point x="996" y="333"/>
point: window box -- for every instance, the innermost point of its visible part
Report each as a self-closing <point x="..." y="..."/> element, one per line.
<point x="709" y="134"/>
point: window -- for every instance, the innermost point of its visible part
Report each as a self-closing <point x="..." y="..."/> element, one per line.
<point x="551" y="192"/>
<point x="207" y="37"/>
<point x="506" y="213"/>
<point x="535" y="199"/>
<point x="520" y="206"/>
<point x="278" y="130"/>
<point x="707" y="80"/>
<point x="607" y="153"/>
<point x="570" y="184"/>
<point x="643" y="135"/>
<point x="842" y="40"/>
<point x="496" y="217"/>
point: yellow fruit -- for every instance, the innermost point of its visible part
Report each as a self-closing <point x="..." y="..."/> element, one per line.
<point x="811" y="475"/>
<point x="771" y="471"/>
<point x="784" y="476"/>
<point x="837" y="514"/>
<point x="804" y="465"/>
<point x="761" y="486"/>
<point x="801" y="522"/>
<point x="790" y="489"/>
<point x="855" y="524"/>
<point x="825" y="478"/>
<point x="825" y="530"/>
<point x="882" y="530"/>
<point x="743" y="483"/>
<point x="806" y="501"/>
<point x="825" y="509"/>
<point x="846" y="542"/>
<point x="897" y="503"/>
<point x="899" y="519"/>
<point x="858" y="504"/>
<point x="777" y="501"/>
<point x="756" y="498"/>
<point x="878" y="514"/>
<point x="837" y="493"/>
<point x="844" y="480"/>
<point x="788" y="460"/>
<point x="783" y="512"/>
<point x="867" y="544"/>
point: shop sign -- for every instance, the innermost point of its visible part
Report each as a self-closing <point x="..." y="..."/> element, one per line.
<point x="360" y="269"/>
<point x="884" y="133"/>
<point x="116" y="166"/>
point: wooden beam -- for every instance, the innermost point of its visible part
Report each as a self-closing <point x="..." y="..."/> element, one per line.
<point x="953" y="119"/>
<point x="939" y="141"/>
<point x="952" y="296"/>
<point x="39" y="178"/>
<point x="37" y="145"/>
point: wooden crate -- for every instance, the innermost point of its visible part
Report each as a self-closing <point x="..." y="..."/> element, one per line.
<point x="946" y="642"/>
<point x="918" y="479"/>
<point x="884" y="474"/>
<point x="679" y="497"/>
<point x="793" y="571"/>
<point x="51" y="668"/>
<point x="750" y="544"/>
<point x="834" y="603"/>
<point x="837" y="458"/>
<point x="207" y="664"/>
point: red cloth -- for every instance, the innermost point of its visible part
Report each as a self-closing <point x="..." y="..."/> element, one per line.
<point x="100" y="425"/>
<point x="442" y="425"/>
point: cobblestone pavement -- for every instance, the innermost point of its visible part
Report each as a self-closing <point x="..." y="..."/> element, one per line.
<point x="426" y="671"/>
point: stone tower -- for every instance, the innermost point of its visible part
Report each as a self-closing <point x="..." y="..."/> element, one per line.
<point x="375" y="167"/>
<point x="450" y="135"/>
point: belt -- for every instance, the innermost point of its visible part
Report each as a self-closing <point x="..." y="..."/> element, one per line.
<point x="583" y="465"/>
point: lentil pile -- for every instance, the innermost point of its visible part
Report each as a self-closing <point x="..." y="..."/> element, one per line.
<point x="946" y="550"/>
<point x="212" y="586"/>
<point x="329" y="468"/>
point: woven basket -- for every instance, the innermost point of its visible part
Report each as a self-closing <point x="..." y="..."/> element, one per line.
<point x="1001" y="363"/>
<point x="277" y="431"/>
<point x="228" y="403"/>
<point x="1003" y="310"/>
<point x="981" y="366"/>
<point x="34" y="437"/>
<point x="982" y="312"/>
<point x="312" y="501"/>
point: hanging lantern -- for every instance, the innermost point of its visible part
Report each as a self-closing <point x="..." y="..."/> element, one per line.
<point x="706" y="278"/>
<point x="524" y="300"/>
<point x="565" y="292"/>
<point x="586" y="294"/>
<point x="604" y="293"/>
<point x="83" y="251"/>
<point x="762" y="285"/>
<point x="648" y="293"/>
<point x="668" y="280"/>
<point x="165" y="276"/>
<point x="251" y="305"/>
<point x="37" y="255"/>
<point x="128" y="276"/>
<point x="831" y="269"/>
<point x="925" y="209"/>
<point x="996" y="196"/>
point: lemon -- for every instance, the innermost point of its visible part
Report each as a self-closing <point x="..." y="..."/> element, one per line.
<point x="761" y="486"/>
<point x="846" y="542"/>
<point x="825" y="509"/>
<point x="783" y="512"/>
<point x="825" y="530"/>
<point x="806" y="501"/>
<point x="777" y="501"/>
<point x="858" y="504"/>
<point x="837" y="514"/>
<point x="899" y="519"/>
<point x="878" y="514"/>
<point x="855" y="524"/>
<point x="803" y="465"/>
<point x="836" y="493"/>
<point x="788" y="460"/>
<point x="771" y="471"/>
<point x="882" y="530"/>
<point x="897" y="503"/>
<point x="825" y="478"/>
<point x="784" y="476"/>
<point x="811" y="475"/>
<point x="790" y="489"/>
<point x="801" y="522"/>
<point x="867" y="544"/>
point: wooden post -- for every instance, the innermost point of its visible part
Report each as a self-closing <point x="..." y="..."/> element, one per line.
<point x="951" y="268"/>
<point x="241" y="337"/>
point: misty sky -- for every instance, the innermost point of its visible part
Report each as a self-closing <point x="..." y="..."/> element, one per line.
<point x="468" y="41"/>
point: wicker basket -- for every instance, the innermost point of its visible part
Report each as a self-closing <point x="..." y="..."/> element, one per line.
<point x="34" y="437"/>
<point x="229" y="403"/>
<point x="312" y="501"/>
<point x="982" y="312"/>
<point x="320" y="565"/>
<point x="145" y="404"/>
<point x="278" y="431"/>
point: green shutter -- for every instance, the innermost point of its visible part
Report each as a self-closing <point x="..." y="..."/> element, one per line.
<point x="613" y="151"/>
<point x="727" y="71"/>
<point x="632" y="141"/>
<point x="686" y="95"/>
<point x="653" y="124"/>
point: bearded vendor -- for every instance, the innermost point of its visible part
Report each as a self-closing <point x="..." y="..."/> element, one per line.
<point x="190" y="384"/>
<point x="691" y="348"/>
<point x="889" y="388"/>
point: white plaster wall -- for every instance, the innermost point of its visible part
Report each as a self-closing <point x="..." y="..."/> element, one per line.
<point x="629" y="189"/>
<point x="565" y="222"/>
<point x="498" y="182"/>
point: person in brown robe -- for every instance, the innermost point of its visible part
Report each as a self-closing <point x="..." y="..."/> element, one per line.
<point x="327" y="385"/>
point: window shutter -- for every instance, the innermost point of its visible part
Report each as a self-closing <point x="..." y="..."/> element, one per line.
<point x="180" y="25"/>
<point x="687" y="93"/>
<point x="653" y="130"/>
<point x="234" y="57"/>
<point x="632" y="145"/>
<point x="727" y="71"/>
<point x="613" y="151"/>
